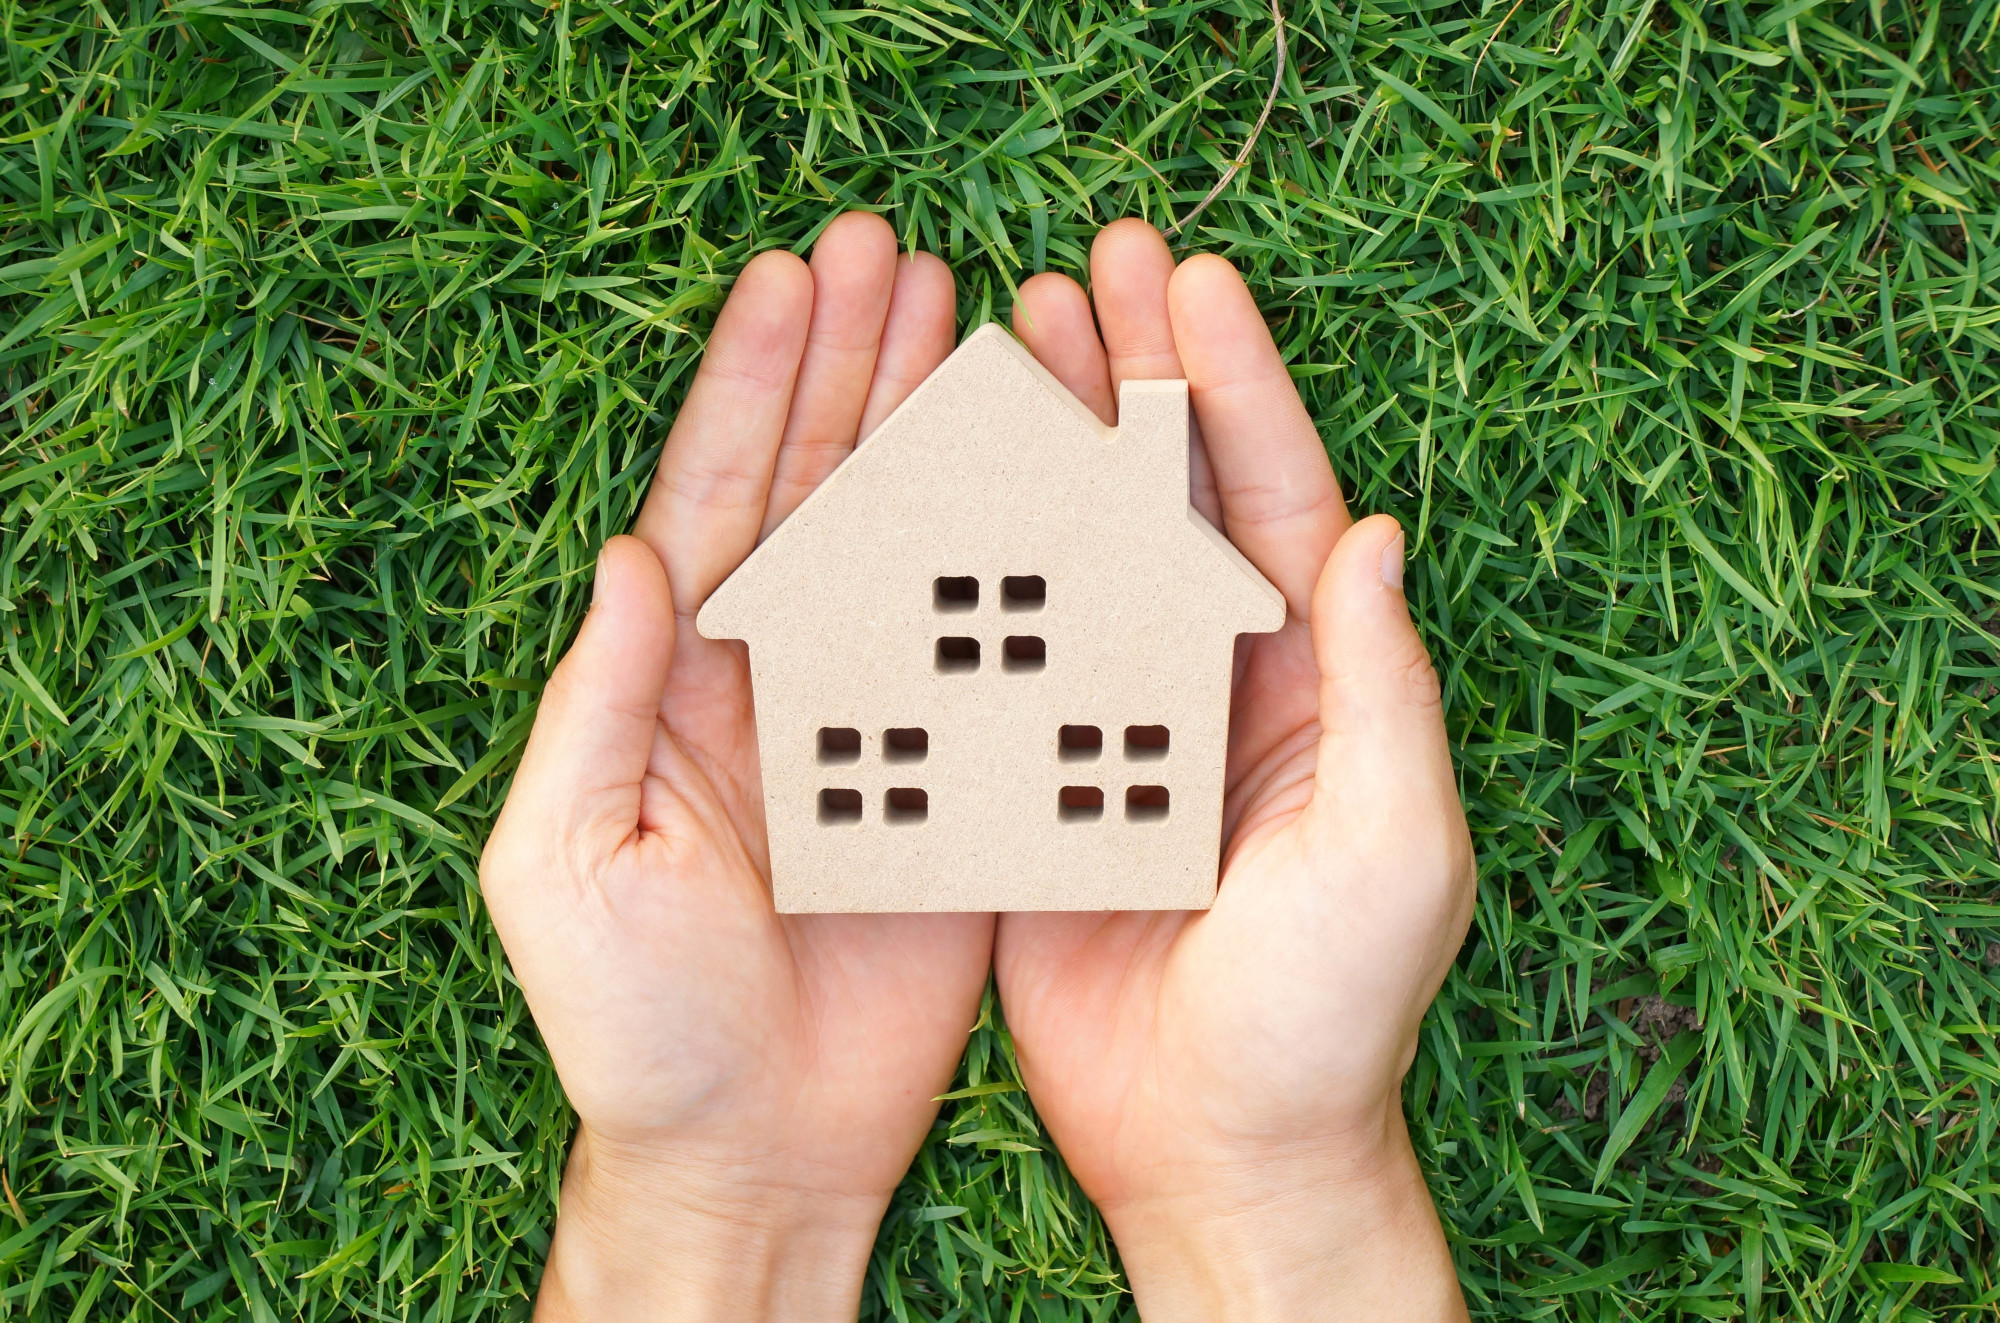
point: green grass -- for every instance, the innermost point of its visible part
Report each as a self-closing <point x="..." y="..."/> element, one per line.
<point x="335" y="337"/>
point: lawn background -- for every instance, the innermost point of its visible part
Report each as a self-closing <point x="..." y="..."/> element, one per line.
<point x="335" y="337"/>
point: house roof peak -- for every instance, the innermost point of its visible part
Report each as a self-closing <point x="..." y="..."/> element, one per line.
<point x="990" y="341"/>
<point x="991" y="455"/>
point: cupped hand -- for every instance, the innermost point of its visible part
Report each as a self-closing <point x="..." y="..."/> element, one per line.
<point x="1226" y="1084"/>
<point x="749" y="1086"/>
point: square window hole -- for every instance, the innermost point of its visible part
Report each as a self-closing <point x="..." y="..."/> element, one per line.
<point x="839" y="807"/>
<point x="1024" y="652"/>
<point x="1023" y="592"/>
<point x="955" y="593"/>
<point x="839" y="744"/>
<point x="1080" y="804"/>
<point x="906" y="806"/>
<point x="1145" y="803"/>
<point x="906" y="744"/>
<point x="955" y="654"/>
<point x="1079" y="744"/>
<point x="1145" y="744"/>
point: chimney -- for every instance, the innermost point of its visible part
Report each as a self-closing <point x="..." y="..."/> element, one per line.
<point x="1153" y="438"/>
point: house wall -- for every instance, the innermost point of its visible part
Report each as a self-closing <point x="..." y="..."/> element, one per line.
<point x="988" y="472"/>
<point x="994" y="831"/>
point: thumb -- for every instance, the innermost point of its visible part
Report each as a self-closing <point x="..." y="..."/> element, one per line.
<point x="600" y="710"/>
<point x="1384" y="774"/>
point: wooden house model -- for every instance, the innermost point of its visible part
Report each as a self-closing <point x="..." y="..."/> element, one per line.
<point x="991" y="655"/>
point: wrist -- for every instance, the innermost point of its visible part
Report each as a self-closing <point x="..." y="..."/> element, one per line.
<point x="1324" y="1236"/>
<point x="670" y="1239"/>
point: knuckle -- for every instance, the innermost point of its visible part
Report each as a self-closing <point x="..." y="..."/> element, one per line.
<point x="855" y="339"/>
<point x="720" y="481"/>
<point x="559" y="689"/>
<point x="820" y="449"/>
<point x="489" y="861"/>
<point x="1461" y="866"/>
<point x="1413" y="680"/>
<point x="1448" y="856"/>
<point x="1404" y="678"/>
<point x="496" y="867"/>
<point x="1273" y="500"/>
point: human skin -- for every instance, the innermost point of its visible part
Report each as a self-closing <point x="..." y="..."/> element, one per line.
<point x="1226" y="1084"/>
<point x="751" y="1086"/>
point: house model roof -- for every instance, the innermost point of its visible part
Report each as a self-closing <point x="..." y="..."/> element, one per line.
<point x="991" y="655"/>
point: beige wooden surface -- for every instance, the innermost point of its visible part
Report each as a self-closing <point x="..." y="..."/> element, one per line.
<point x="991" y="471"/>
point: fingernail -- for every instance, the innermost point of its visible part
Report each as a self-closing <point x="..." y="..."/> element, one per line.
<point x="1392" y="562"/>
<point x="602" y="577"/>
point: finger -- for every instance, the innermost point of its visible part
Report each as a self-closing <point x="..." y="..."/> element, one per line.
<point x="853" y="271"/>
<point x="1130" y="265"/>
<point x="915" y="339"/>
<point x="600" y="711"/>
<point x="1280" y="503"/>
<point x="1052" y="317"/>
<point x="1384" y="762"/>
<point x="1130" y="269"/>
<point x="708" y="497"/>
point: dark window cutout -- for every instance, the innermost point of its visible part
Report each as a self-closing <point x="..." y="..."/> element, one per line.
<point x="905" y="744"/>
<point x="950" y="593"/>
<point x="1023" y="592"/>
<point x="839" y="807"/>
<point x="1080" y="804"/>
<point x="957" y="654"/>
<point x="1145" y="803"/>
<point x="905" y="806"/>
<point x="839" y="744"/>
<point x="1145" y="744"/>
<point x="1079" y="744"/>
<point x="1024" y="652"/>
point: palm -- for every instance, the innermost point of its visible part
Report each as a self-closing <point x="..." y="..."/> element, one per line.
<point x="1131" y="1020"/>
<point x="678" y="1006"/>
<point x="1154" y="1041"/>
<point x="842" y="1012"/>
